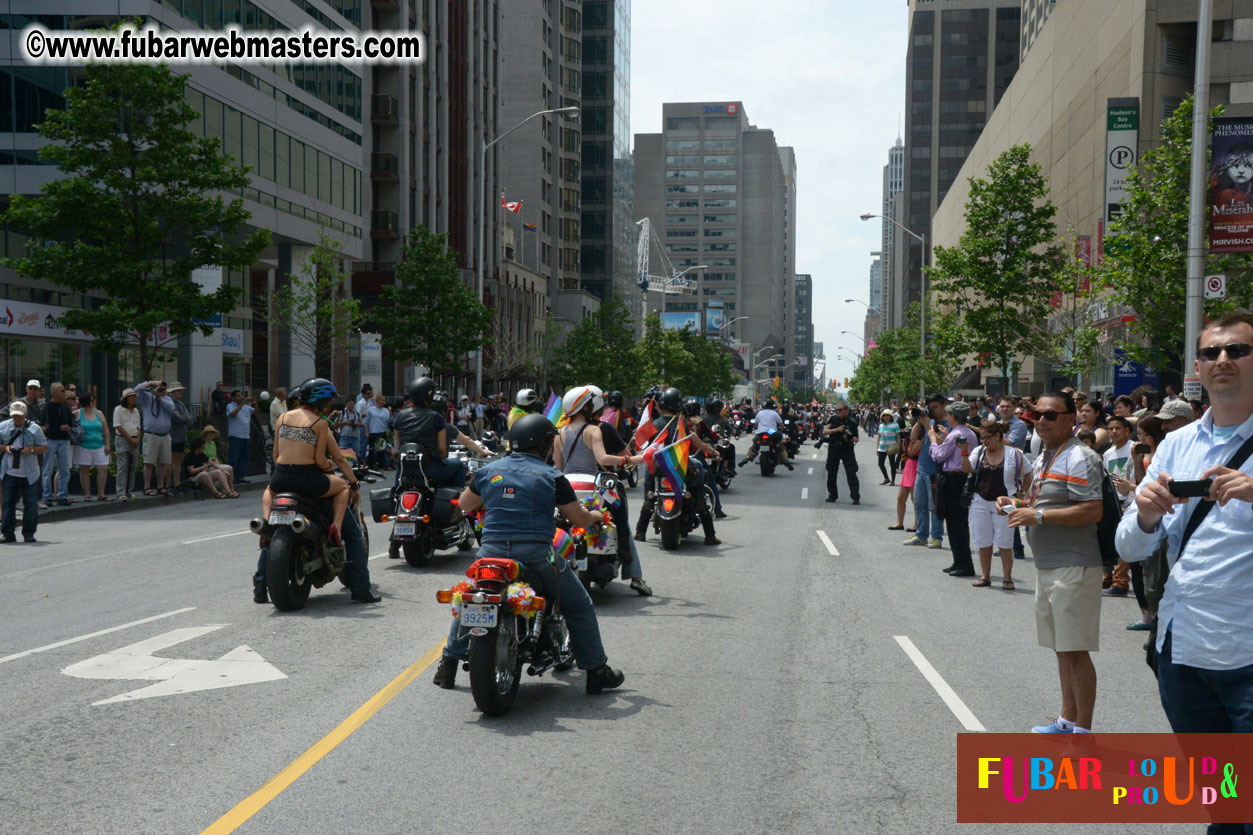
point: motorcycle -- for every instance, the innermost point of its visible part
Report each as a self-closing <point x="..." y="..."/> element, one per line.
<point x="791" y="438"/>
<point x="513" y="620"/>
<point x="424" y="518"/>
<point x="596" y="558"/>
<point x="737" y="424"/>
<point x="768" y="451"/>
<point x="300" y="556"/>
<point x="724" y="465"/>
<point x="674" y="515"/>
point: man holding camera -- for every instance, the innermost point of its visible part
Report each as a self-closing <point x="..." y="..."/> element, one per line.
<point x="239" y="433"/>
<point x="949" y="447"/>
<point x="157" y="409"/>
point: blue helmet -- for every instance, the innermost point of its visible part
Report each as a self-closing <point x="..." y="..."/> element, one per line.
<point x="316" y="392"/>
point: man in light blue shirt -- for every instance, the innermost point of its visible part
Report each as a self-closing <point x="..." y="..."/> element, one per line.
<point x="1205" y="632"/>
<point x="21" y="444"/>
<point x="239" y="433"/>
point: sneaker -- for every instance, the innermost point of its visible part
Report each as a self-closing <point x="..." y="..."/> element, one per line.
<point x="913" y="540"/>
<point x="1115" y="591"/>
<point x="603" y="678"/>
<point x="446" y="673"/>
<point x="935" y="544"/>
<point x="7" y="539"/>
<point x="43" y="505"/>
<point x="1050" y="728"/>
<point x="1138" y="626"/>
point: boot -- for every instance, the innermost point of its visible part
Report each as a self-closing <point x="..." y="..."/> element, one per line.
<point x="446" y="673"/>
<point x="603" y="678"/>
<point x="260" y="594"/>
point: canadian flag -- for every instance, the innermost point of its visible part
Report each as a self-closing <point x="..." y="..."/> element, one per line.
<point x="514" y="206"/>
<point x="646" y="430"/>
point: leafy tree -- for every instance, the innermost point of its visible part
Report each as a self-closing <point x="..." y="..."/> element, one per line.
<point x="1000" y="274"/>
<point x="893" y="368"/>
<point x="429" y="315"/>
<point x="685" y="359"/>
<point x="1071" y="340"/>
<point x="139" y="208"/>
<point x="1146" y="263"/>
<point x="314" y="306"/>
<point x="601" y="350"/>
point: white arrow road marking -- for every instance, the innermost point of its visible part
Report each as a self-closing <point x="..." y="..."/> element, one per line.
<point x="175" y="675"/>
<point x="826" y="540"/>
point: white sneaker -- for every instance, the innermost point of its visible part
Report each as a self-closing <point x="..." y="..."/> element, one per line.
<point x="935" y="544"/>
<point x="913" y="540"/>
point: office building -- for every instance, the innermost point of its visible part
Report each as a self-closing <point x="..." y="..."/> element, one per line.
<point x="1034" y="13"/>
<point x="1135" y="56"/>
<point x="871" y="327"/>
<point x="716" y="191"/>
<point x="961" y="57"/>
<point x="607" y="257"/>
<point x="803" y="330"/>
<point x="893" y="183"/>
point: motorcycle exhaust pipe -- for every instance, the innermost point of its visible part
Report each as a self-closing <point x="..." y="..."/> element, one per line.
<point x="298" y="524"/>
<point x="256" y="525"/>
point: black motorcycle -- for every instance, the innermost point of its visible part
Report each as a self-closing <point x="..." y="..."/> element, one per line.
<point x="424" y="518"/>
<point x="300" y="556"/>
<point x="675" y="516"/>
<point x="724" y="464"/>
<point x="769" y="451"/>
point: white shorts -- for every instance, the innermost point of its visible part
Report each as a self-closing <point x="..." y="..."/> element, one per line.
<point x="987" y="527"/>
<point x="1068" y="608"/>
<point x="90" y="457"/>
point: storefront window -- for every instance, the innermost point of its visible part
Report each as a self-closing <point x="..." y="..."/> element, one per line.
<point x="47" y="362"/>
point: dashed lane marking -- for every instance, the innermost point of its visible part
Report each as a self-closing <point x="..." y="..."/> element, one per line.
<point x="811" y="471"/>
<point x="826" y="540"/>
<point x="950" y="697"/>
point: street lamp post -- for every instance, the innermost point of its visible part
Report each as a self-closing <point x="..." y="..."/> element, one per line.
<point x="482" y="241"/>
<point x="922" y="321"/>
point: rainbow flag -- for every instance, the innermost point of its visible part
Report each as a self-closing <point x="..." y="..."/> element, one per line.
<point x="563" y="543"/>
<point x="554" y="412"/>
<point x="670" y="464"/>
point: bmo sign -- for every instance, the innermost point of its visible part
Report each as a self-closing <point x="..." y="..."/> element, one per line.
<point x="730" y="109"/>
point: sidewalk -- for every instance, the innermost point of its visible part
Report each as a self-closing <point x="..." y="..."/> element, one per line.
<point x="83" y="510"/>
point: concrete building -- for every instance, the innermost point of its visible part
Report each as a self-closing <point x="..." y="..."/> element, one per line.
<point x="716" y="191"/>
<point x="872" y="328"/>
<point x="803" y="371"/>
<point x="606" y="261"/>
<point x="1087" y="58"/>
<point x="893" y="184"/>
<point x="961" y="57"/>
<point x="1034" y="13"/>
<point x="794" y="351"/>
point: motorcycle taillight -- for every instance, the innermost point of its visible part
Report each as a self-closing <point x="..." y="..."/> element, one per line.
<point x="408" y="501"/>
<point x="284" y="501"/>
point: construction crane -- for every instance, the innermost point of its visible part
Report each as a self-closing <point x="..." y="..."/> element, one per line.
<point x="673" y="282"/>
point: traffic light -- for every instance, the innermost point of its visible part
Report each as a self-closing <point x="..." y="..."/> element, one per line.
<point x="845" y="382"/>
<point x="776" y="381"/>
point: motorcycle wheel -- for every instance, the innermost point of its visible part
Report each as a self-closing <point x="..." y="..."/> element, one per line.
<point x="632" y="478"/>
<point x="767" y="467"/>
<point x="466" y="543"/>
<point x="495" y="668"/>
<point x="670" y="535"/>
<point x="420" y="553"/>
<point x="289" y="591"/>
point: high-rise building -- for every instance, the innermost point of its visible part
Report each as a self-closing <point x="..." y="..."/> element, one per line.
<point x="893" y="183"/>
<point x="803" y="378"/>
<point x="717" y="194"/>
<point x="794" y="351"/>
<point x="606" y="261"/>
<point x="1034" y="13"/>
<point x="960" y="59"/>
<point x="871" y="328"/>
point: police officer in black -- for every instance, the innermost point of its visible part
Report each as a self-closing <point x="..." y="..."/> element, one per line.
<point x="840" y="435"/>
<point x="421" y="425"/>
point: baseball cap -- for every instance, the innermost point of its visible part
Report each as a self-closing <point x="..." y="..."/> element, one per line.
<point x="1176" y="409"/>
<point x="17" y="407"/>
<point x="960" y="408"/>
<point x="34" y="383"/>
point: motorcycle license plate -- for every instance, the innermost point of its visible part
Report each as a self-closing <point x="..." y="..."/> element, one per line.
<point x="404" y="528"/>
<point x="478" y="614"/>
<point x="282" y="517"/>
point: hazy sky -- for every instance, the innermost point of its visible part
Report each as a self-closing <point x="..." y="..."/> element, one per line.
<point x="828" y="76"/>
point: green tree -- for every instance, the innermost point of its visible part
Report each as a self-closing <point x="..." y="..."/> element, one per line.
<point x="1000" y="274"/>
<point x="1070" y="340"/>
<point x="684" y="359"/>
<point x="140" y="207"/>
<point x="601" y="350"/>
<point x="1145" y="261"/>
<point x="314" y="306"/>
<point x="429" y="315"/>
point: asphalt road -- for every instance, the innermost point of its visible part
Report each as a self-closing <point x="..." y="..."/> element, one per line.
<point x="768" y="686"/>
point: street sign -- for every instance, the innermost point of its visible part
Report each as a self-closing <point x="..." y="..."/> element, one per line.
<point x="1192" y="387"/>
<point x="1216" y="286"/>
<point x="241" y="665"/>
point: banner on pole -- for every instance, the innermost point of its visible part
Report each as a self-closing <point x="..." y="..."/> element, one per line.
<point x="1231" y="186"/>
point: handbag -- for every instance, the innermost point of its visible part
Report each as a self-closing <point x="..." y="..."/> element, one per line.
<point x="894" y="449"/>
<point x="968" y="489"/>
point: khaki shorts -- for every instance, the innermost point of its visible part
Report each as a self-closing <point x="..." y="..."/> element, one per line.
<point x="156" y="448"/>
<point x="1068" y="608"/>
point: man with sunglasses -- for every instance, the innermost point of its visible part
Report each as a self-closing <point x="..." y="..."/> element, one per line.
<point x="1060" y="515"/>
<point x="1205" y="635"/>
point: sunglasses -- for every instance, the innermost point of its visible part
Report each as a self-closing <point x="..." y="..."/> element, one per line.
<point x="1051" y="416"/>
<point x="1235" y="351"/>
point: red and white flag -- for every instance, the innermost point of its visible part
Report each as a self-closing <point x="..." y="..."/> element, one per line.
<point x="645" y="432"/>
<point x="514" y="206"/>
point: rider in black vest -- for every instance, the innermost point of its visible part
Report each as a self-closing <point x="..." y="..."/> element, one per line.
<point x="421" y="425"/>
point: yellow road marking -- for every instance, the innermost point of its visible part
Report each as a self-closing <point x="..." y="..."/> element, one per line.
<point x="256" y="801"/>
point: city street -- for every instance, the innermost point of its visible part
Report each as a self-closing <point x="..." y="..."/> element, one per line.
<point x="775" y="683"/>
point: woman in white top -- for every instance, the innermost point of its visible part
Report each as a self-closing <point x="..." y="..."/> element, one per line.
<point x="126" y="425"/>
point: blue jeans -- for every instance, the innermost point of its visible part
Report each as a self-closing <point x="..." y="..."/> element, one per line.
<point x="1198" y="701"/>
<point x="237" y="457"/>
<point x="58" y="455"/>
<point x="928" y="523"/>
<point x="626" y="543"/>
<point x="357" y="570"/>
<point x="576" y="606"/>
<point x="16" y="487"/>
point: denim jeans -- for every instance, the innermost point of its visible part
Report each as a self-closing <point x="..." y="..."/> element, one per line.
<point x="576" y="606"/>
<point x="237" y="457"/>
<point x="357" y="570"/>
<point x="1206" y="701"/>
<point x="58" y="455"/>
<point x="926" y="520"/>
<point x="16" y="487"/>
<point x="626" y="543"/>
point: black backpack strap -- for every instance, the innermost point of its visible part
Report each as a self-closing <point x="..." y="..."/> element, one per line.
<point x="1205" y="506"/>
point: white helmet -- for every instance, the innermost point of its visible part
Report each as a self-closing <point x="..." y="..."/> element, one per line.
<point x="578" y="398"/>
<point x="527" y="399"/>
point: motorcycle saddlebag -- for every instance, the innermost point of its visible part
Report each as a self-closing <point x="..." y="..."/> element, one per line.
<point x="380" y="503"/>
<point x="444" y="512"/>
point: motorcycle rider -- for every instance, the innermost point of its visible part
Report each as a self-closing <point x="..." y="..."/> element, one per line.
<point x="721" y="428"/>
<point x="692" y="409"/>
<point x="768" y="420"/>
<point x="526" y="402"/>
<point x="840" y="435"/>
<point x="615" y="413"/>
<point x="671" y="426"/>
<point x="518" y="494"/>
<point x="421" y="425"/>
<point x="582" y="450"/>
<point x="315" y="396"/>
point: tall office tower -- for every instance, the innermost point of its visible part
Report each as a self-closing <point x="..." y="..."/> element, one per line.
<point x="960" y="59"/>
<point x="301" y="130"/>
<point x="804" y="333"/>
<point x="794" y="351"/>
<point x="607" y="260"/>
<point x="871" y="329"/>
<point x="893" y="183"/>
<point x="1034" y="13"/>
<point x="718" y="196"/>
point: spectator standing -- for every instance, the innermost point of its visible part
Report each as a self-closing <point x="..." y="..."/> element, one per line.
<point x="927" y="519"/>
<point x="948" y="449"/>
<point x="58" y="418"/>
<point x="21" y="444"/>
<point x="278" y="405"/>
<point x="1118" y="463"/>
<point x="909" y="448"/>
<point x="180" y="419"/>
<point x="889" y="446"/>
<point x="465" y="416"/>
<point x="998" y="469"/>
<point x="1060" y="514"/>
<point x="94" y="450"/>
<point x="157" y="410"/>
<point x="480" y="415"/>
<point x="1205" y="635"/>
<point x="347" y="428"/>
<point x="364" y="401"/>
<point x="239" y="433"/>
<point x="1017" y="434"/>
<point x="126" y="423"/>
<point x="34" y="401"/>
<point x="377" y="421"/>
<point x="219" y="399"/>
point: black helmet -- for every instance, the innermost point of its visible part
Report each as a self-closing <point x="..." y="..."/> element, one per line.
<point x="439" y="401"/>
<point x="422" y="391"/>
<point x="614" y="398"/>
<point x="316" y="392"/>
<point x="691" y="407"/>
<point x="714" y="407"/>
<point x="670" y="400"/>
<point x="531" y="432"/>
